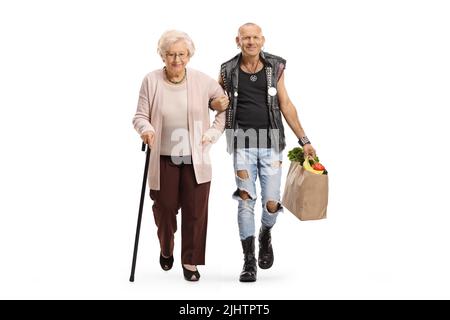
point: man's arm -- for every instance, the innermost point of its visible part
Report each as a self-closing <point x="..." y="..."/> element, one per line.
<point x="220" y="103"/>
<point x="220" y="81"/>
<point x="290" y="114"/>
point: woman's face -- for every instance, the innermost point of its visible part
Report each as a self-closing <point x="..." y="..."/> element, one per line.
<point x="176" y="57"/>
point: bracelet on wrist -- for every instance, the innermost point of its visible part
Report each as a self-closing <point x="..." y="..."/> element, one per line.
<point x="209" y="103"/>
<point x="303" y="141"/>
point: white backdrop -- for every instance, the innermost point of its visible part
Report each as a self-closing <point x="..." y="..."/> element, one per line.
<point x="370" y="80"/>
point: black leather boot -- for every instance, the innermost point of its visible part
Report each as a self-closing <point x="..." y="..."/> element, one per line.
<point x="248" y="273"/>
<point x="265" y="254"/>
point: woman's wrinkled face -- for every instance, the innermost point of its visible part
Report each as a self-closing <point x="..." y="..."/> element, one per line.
<point x="176" y="57"/>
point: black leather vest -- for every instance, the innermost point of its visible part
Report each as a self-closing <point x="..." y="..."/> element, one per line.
<point x="274" y="67"/>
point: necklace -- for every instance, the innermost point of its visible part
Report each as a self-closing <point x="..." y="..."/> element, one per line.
<point x="174" y="82"/>
<point x="253" y="76"/>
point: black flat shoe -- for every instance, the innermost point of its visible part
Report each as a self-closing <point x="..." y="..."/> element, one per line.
<point x="166" y="263"/>
<point x="190" y="275"/>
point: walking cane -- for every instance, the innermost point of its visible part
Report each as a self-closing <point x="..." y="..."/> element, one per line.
<point x="141" y="205"/>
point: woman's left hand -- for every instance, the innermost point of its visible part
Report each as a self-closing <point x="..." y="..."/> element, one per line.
<point x="220" y="103"/>
<point x="206" y="139"/>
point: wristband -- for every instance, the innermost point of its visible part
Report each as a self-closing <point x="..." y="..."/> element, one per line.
<point x="209" y="103"/>
<point x="303" y="140"/>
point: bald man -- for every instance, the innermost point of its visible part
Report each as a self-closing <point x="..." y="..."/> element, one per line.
<point x="254" y="81"/>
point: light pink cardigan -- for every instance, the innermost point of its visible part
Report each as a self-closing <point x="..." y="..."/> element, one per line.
<point x="200" y="88"/>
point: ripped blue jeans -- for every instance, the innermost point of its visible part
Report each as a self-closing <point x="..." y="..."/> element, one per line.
<point x="248" y="165"/>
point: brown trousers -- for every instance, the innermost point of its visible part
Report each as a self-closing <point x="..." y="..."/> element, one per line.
<point x="179" y="189"/>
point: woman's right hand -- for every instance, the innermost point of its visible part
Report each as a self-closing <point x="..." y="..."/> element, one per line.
<point x="148" y="137"/>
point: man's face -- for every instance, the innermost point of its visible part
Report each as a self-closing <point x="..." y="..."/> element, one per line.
<point x="250" y="40"/>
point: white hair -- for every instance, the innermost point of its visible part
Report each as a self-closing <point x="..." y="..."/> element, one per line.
<point x="170" y="37"/>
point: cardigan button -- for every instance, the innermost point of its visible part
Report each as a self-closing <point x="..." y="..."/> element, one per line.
<point x="235" y="94"/>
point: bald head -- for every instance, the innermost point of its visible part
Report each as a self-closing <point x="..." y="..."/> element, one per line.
<point x="249" y="25"/>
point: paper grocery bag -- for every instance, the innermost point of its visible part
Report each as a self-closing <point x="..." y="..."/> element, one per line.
<point x="305" y="193"/>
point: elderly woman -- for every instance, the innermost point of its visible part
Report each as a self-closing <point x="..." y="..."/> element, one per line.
<point x="172" y="117"/>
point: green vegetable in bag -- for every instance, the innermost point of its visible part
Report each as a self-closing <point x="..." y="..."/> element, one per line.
<point x="298" y="155"/>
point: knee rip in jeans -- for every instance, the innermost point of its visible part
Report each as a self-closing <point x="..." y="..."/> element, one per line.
<point x="273" y="206"/>
<point x="244" y="195"/>
<point x="277" y="164"/>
